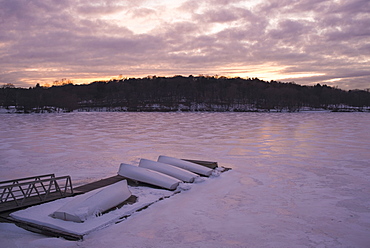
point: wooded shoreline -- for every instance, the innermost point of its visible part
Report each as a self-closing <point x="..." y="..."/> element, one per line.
<point x="178" y="93"/>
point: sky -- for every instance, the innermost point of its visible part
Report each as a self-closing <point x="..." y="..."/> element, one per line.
<point x="306" y="42"/>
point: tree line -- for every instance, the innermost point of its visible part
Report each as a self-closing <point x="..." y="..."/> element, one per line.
<point x="178" y="93"/>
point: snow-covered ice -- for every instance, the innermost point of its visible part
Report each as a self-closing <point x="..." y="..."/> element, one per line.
<point x="298" y="179"/>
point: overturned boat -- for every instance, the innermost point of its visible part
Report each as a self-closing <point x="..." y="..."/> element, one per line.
<point x="190" y="166"/>
<point x="85" y="206"/>
<point x="148" y="176"/>
<point x="170" y="170"/>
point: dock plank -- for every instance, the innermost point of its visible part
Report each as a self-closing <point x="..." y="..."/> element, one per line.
<point x="98" y="184"/>
<point x="45" y="230"/>
<point x="209" y="164"/>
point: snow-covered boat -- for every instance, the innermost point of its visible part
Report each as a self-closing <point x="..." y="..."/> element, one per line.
<point x="87" y="205"/>
<point x="148" y="176"/>
<point x="196" y="168"/>
<point x="173" y="171"/>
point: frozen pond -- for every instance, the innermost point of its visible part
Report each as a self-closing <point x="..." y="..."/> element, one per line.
<point x="298" y="179"/>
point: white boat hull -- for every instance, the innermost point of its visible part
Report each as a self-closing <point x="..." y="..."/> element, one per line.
<point x="196" y="168"/>
<point x="85" y="206"/>
<point x="148" y="176"/>
<point x="173" y="171"/>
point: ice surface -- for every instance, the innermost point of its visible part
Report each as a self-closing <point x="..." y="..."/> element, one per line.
<point x="298" y="179"/>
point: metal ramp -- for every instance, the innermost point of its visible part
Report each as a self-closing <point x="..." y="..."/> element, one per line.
<point x="23" y="192"/>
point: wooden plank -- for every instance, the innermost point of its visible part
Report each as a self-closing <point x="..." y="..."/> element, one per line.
<point x="98" y="184"/>
<point x="105" y="182"/>
<point x="209" y="164"/>
<point x="45" y="230"/>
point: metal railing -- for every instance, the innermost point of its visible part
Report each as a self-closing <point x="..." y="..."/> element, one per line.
<point x="22" y="191"/>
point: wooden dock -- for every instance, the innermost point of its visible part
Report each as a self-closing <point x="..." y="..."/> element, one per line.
<point x="97" y="184"/>
<point x="44" y="230"/>
<point x="49" y="231"/>
<point x="6" y="207"/>
<point x="209" y="164"/>
<point x="5" y="210"/>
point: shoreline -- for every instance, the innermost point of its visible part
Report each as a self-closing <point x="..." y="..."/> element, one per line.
<point x="14" y="110"/>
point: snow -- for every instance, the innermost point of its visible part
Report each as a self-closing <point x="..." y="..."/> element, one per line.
<point x="87" y="206"/>
<point x="201" y="170"/>
<point x="41" y="214"/>
<point x="173" y="171"/>
<point x="298" y="179"/>
<point x="148" y="176"/>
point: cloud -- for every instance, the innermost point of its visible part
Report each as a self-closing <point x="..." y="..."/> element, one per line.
<point x="142" y="12"/>
<point x="48" y="40"/>
<point x="219" y="15"/>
